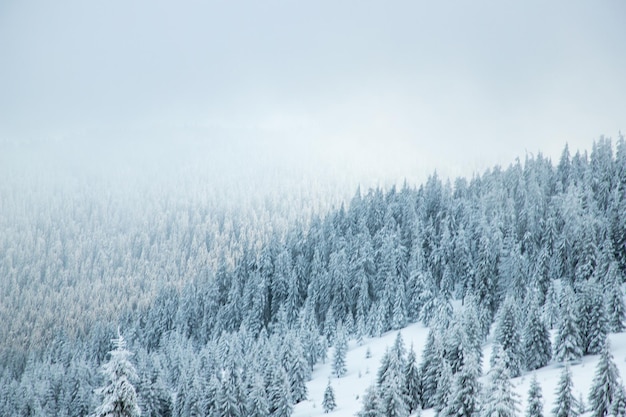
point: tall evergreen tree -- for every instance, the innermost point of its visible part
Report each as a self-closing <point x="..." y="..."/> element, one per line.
<point x="329" y="403"/>
<point x="430" y="368"/>
<point x="444" y="387"/>
<point x="371" y="403"/>
<point x="551" y="311"/>
<point x="257" y="404"/>
<point x="508" y="339"/>
<point x="499" y="399"/>
<point x="229" y="400"/>
<point x="412" y="386"/>
<point x="592" y="317"/>
<point x="534" y="407"/>
<point x="154" y="397"/>
<point x="605" y="383"/>
<point x="392" y="399"/>
<point x="618" y="406"/>
<point x="568" y="345"/>
<point x="616" y="311"/>
<point x="119" y="398"/>
<point x="464" y="401"/>
<point x="565" y="403"/>
<point x="279" y="395"/>
<point x="339" y="355"/>
<point x="536" y="344"/>
<point x="295" y="365"/>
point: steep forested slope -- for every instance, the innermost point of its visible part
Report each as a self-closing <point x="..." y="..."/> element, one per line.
<point x="244" y="331"/>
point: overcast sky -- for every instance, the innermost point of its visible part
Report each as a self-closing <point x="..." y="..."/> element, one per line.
<point x="403" y="87"/>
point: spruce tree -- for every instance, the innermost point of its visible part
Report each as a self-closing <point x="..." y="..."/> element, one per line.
<point x="393" y="363"/>
<point x="565" y="403"/>
<point x="329" y="403"/>
<point x="464" y="401"/>
<point x="444" y="387"/>
<point x="618" y="406"/>
<point x="153" y="393"/>
<point x="279" y="395"/>
<point x="551" y="310"/>
<point x="616" y="311"/>
<point x="536" y="344"/>
<point x="392" y="400"/>
<point x="339" y="356"/>
<point x="119" y="398"/>
<point x="430" y="369"/>
<point x="499" y="398"/>
<point x="412" y="387"/>
<point x="508" y="338"/>
<point x="605" y="383"/>
<point x="295" y="364"/>
<point x="592" y="318"/>
<point x="535" y="399"/>
<point x="371" y="403"/>
<point x="568" y="345"/>
<point x="257" y="404"/>
<point x="229" y="400"/>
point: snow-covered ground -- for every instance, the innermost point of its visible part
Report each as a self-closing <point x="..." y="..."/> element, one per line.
<point x="350" y="389"/>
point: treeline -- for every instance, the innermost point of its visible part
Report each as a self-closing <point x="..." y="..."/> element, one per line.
<point x="508" y="243"/>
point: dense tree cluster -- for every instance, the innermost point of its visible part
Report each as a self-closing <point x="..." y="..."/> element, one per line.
<point x="242" y="329"/>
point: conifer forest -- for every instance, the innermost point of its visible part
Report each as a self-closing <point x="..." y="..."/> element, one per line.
<point x="172" y="303"/>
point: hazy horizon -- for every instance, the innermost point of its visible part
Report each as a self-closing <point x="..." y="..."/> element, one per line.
<point x="387" y="91"/>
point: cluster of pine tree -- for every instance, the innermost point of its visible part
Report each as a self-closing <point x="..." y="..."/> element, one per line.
<point x="535" y="241"/>
<point x="450" y="383"/>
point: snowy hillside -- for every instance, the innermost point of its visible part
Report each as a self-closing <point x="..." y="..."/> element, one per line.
<point x="350" y="389"/>
<point x="494" y="263"/>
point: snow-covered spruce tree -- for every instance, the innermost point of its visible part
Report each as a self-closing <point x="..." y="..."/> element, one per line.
<point x="412" y="387"/>
<point x="79" y="389"/>
<point x="536" y="344"/>
<point x="551" y="311"/>
<point x="230" y="400"/>
<point x="339" y="355"/>
<point x="278" y="393"/>
<point x="508" y="338"/>
<point x="155" y="399"/>
<point x="464" y="398"/>
<point x="618" y="406"/>
<point x="535" y="399"/>
<point x="605" y="383"/>
<point x="470" y="323"/>
<point x="257" y="404"/>
<point x="392" y="400"/>
<point x="371" y="403"/>
<point x="444" y="387"/>
<point x="592" y="317"/>
<point x="329" y="403"/>
<point x="295" y="365"/>
<point x="499" y="399"/>
<point x="568" y="343"/>
<point x="565" y="403"/>
<point x="616" y="311"/>
<point x="119" y="398"/>
<point x="398" y="312"/>
<point x="391" y="380"/>
<point x="430" y="368"/>
<point x="393" y="363"/>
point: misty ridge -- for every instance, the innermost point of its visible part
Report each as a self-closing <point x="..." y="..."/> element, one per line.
<point x="206" y="280"/>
